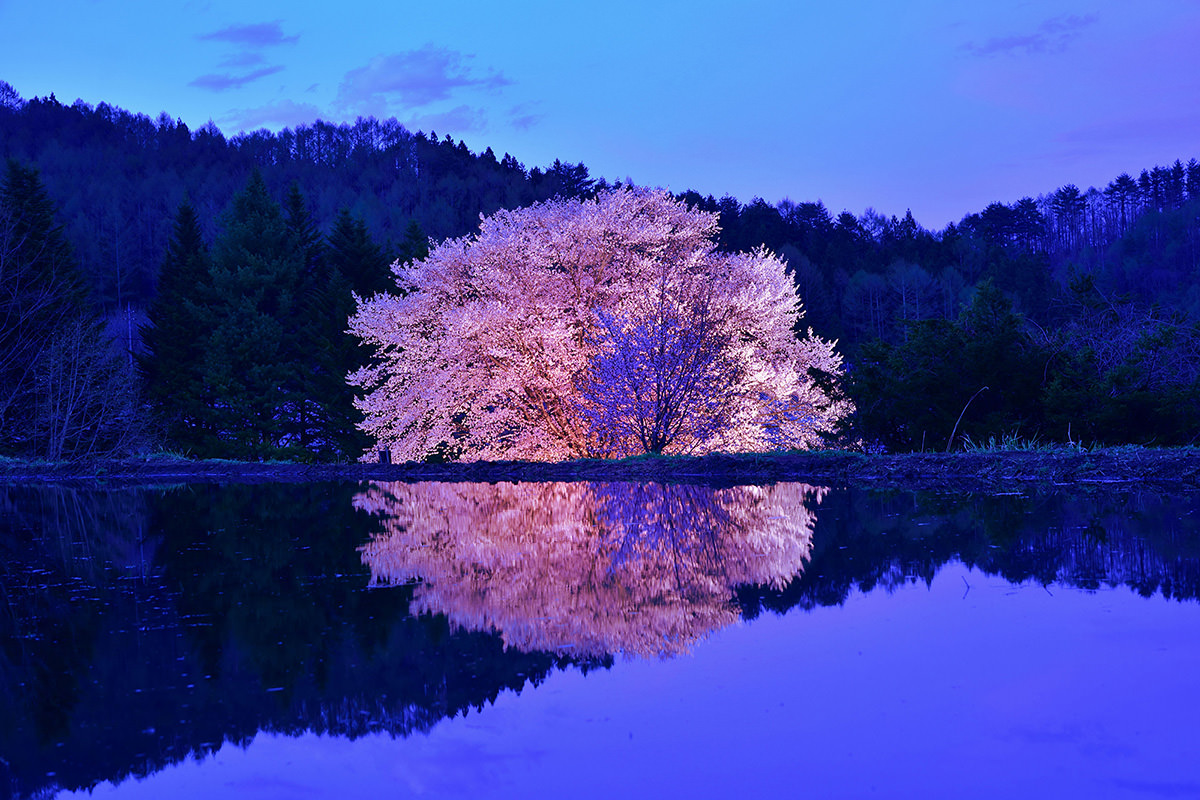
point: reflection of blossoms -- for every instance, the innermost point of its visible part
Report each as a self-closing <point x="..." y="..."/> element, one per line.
<point x="587" y="568"/>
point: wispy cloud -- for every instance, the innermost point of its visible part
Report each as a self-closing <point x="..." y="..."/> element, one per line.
<point x="413" y="79"/>
<point x="280" y="114"/>
<point x="459" y="120"/>
<point x="1052" y="36"/>
<point x="247" y="58"/>
<point x="249" y="41"/>
<point x="263" y="34"/>
<point x="225" y="82"/>
<point x="522" y="117"/>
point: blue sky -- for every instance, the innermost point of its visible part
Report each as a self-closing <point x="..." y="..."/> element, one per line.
<point x="935" y="105"/>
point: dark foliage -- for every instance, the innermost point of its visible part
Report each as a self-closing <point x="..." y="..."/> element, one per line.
<point x="64" y="392"/>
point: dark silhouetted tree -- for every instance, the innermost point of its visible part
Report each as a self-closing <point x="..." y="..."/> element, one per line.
<point x="176" y="338"/>
<point x="255" y="296"/>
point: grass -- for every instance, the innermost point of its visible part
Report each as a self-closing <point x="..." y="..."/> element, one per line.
<point x="1015" y="443"/>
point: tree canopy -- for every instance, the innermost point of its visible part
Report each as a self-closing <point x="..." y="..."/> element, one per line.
<point x="602" y="327"/>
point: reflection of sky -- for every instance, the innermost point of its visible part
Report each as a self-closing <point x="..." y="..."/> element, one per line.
<point x="999" y="691"/>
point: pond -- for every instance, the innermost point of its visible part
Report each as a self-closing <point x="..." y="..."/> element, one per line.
<point x="497" y="639"/>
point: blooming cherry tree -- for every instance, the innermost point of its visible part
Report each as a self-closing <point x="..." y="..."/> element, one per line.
<point x="592" y="327"/>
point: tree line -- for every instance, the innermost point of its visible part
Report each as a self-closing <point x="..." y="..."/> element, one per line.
<point x="1075" y="309"/>
<point x="118" y="179"/>
<point x="245" y="347"/>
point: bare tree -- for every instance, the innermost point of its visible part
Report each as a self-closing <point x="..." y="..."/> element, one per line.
<point x="85" y="400"/>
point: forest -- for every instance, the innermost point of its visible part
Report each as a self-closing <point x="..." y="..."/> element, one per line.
<point x="169" y="288"/>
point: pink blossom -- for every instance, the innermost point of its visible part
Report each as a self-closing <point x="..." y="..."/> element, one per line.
<point x="596" y="327"/>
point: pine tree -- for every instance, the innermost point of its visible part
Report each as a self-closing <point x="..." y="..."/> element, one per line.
<point x="36" y="243"/>
<point x="40" y="292"/>
<point x="356" y="257"/>
<point x="308" y="334"/>
<point x="357" y="265"/>
<point x="415" y="246"/>
<point x="305" y="235"/>
<point x="176" y="337"/>
<point x="252" y="364"/>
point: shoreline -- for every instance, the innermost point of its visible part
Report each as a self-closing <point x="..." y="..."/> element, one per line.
<point x="1177" y="468"/>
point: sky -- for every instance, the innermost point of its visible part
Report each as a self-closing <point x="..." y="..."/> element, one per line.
<point x="935" y="106"/>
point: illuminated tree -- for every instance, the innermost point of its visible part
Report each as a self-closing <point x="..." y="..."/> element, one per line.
<point x="592" y="327"/>
<point x="663" y="378"/>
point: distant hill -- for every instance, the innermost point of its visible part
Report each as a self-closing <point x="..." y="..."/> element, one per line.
<point x="118" y="178"/>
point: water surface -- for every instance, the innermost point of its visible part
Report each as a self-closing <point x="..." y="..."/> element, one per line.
<point x="497" y="639"/>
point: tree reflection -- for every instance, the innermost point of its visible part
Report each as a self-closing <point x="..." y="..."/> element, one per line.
<point x="588" y="568"/>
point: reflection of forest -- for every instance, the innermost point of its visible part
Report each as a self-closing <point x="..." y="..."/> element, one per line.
<point x="138" y="627"/>
<point x="588" y="568"/>
<point x="869" y="540"/>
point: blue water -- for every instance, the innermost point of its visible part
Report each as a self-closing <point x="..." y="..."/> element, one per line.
<point x="898" y="661"/>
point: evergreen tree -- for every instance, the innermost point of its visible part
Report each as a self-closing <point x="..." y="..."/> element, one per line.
<point x="309" y="334"/>
<point x="36" y="240"/>
<point x="40" y="293"/>
<point x="415" y="246"/>
<point x="303" y="229"/>
<point x="252" y="364"/>
<point x="355" y="257"/>
<point x="176" y="337"/>
<point x="357" y="265"/>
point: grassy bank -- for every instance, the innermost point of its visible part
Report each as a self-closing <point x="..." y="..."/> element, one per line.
<point x="998" y="470"/>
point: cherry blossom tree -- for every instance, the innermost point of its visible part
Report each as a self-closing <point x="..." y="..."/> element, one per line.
<point x="596" y="327"/>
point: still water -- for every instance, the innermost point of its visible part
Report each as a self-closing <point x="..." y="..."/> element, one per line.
<point x="495" y="640"/>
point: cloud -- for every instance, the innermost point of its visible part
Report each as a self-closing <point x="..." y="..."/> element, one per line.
<point x="461" y="119"/>
<point x="1146" y="130"/>
<point x="280" y="114"/>
<point x="413" y="78"/>
<point x="1052" y="36"/>
<point x="222" y="83"/>
<point x="263" y="34"/>
<point x="522" y="117"/>
<point x="246" y="58"/>
<point x="250" y="39"/>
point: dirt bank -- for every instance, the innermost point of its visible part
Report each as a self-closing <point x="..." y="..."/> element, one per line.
<point x="998" y="471"/>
